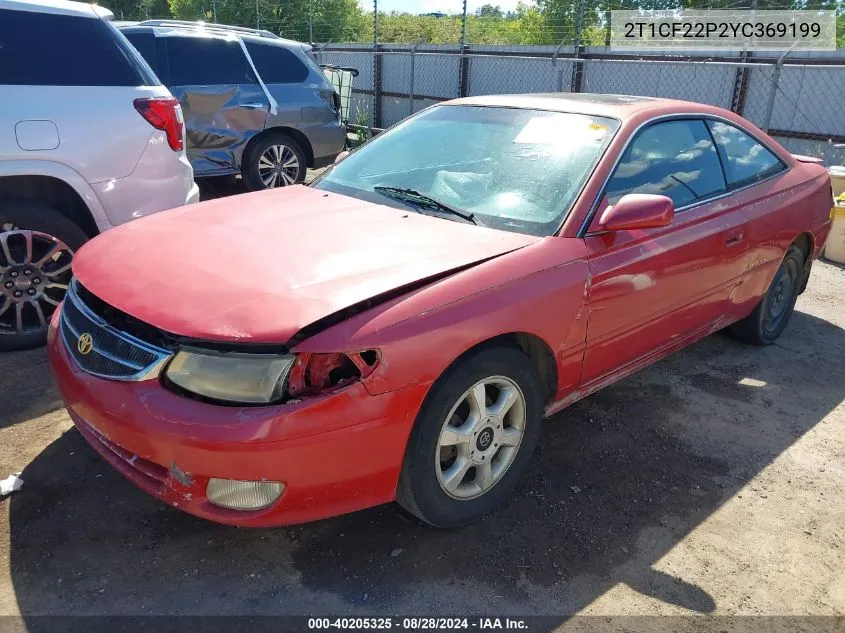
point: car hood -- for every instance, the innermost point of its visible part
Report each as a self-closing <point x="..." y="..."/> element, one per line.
<point x="260" y="267"/>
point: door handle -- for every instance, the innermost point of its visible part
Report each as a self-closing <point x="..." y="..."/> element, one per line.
<point x="253" y="106"/>
<point x="734" y="238"/>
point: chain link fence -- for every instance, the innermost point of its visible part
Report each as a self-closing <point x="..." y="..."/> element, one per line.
<point x="408" y="62"/>
<point x="800" y="102"/>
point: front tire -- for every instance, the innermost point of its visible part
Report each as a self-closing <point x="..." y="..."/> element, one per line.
<point x="37" y="244"/>
<point x="771" y="316"/>
<point x="473" y="438"/>
<point x="274" y="161"/>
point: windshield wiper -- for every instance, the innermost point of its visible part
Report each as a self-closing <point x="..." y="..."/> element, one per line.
<point x="424" y="200"/>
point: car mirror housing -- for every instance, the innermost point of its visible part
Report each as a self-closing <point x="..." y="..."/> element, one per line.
<point x="638" y="211"/>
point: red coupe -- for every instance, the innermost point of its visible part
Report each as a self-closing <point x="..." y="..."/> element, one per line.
<point x="399" y="329"/>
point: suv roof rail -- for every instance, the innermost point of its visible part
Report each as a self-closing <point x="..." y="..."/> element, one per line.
<point x="224" y="28"/>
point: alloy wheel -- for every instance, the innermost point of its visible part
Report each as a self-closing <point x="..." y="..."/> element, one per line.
<point x="480" y="437"/>
<point x="278" y="166"/>
<point x="35" y="270"/>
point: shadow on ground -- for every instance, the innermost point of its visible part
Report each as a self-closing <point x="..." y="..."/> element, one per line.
<point x="26" y="387"/>
<point x="618" y="480"/>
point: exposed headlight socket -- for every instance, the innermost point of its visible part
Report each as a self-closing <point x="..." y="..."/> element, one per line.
<point x="314" y="374"/>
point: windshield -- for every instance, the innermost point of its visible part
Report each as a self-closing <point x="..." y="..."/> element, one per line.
<point x="514" y="169"/>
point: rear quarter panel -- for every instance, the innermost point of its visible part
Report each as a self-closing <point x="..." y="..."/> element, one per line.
<point x="779" y="211"/>
<point x="101" y="135"/>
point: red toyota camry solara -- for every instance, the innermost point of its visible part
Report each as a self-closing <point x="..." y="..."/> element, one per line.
<point x="399" y="329"/>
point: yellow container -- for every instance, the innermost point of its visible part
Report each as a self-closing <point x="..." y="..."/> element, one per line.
<point x="834" y="248"/>
<point x="837" y="179"/>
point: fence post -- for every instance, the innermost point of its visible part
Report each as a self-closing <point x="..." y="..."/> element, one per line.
<point x="577" y="65"/>
<point x="464" y="25"/>
<point x="770" y="104"/>
<point x="311" y="22"/>
<point x="411" y="82"/>
<point x="376" y="69"/>
<point x="377" y="79"/>
<point x="560" y="71"/>
<point x="464" y="72"/>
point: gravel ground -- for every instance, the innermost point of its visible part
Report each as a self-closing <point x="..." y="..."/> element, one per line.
<point x="710" y="483"/>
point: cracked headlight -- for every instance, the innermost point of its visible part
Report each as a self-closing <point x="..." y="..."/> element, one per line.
<point x="233" y="377"/>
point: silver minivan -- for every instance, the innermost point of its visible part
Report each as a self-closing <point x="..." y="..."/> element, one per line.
<point x="254" y="103"/>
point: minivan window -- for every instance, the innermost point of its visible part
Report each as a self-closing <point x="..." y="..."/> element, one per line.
<point x="206" y="61"/>
<point x="144" y="43"/>
<point x="675" y="159"/>
<point x="45" y="49"/>
<point x="276" y="64"/>
<point x="745" y="159"/>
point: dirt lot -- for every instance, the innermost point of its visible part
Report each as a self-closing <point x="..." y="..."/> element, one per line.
<point x="709" y="483"/>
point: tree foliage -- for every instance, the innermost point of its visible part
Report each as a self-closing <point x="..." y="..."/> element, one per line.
<point x="542" y="22"/>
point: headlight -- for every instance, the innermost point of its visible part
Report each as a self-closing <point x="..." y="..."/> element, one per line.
<point x="230" y="376"/>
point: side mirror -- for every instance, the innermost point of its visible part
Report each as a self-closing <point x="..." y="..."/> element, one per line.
<point x="638" y="211"/>
<point x="341" y="156"/>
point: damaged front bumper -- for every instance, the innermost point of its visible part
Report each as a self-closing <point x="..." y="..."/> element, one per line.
<point x="333" y="454"/>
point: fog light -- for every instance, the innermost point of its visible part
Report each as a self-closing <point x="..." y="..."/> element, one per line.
<point x="243" y="495"/>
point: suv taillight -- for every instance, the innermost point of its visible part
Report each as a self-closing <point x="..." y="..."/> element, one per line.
<point x="164" y="113"/>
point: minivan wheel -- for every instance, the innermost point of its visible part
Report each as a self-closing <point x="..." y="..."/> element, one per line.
<point x="37" y="244"/>
<point x="274" y="161"/>
<point x="473" y="438"/>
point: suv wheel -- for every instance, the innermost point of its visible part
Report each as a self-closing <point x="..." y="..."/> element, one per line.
<point x="274" y="161"/>
<point x="37" y="244"/>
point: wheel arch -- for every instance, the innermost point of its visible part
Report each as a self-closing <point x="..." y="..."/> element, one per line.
<point x="537" y="350"/>
<point x="807" y="245"/>
<point x="57" y="185"/>
<point x="295" y="134"/>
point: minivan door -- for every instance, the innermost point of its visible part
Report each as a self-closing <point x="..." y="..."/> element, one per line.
<point x="223" y="103"/>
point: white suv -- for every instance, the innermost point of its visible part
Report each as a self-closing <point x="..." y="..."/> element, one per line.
<point x="89" y="139"/>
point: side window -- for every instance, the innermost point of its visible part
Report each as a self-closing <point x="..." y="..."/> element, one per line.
<point x="745" y="159"/>
<point x="675" y="159"/>
<point x="276" y="64"/>
<point x="45" y="49"/>
<point x="206" y="61"/>
<point x="144" y="43"/>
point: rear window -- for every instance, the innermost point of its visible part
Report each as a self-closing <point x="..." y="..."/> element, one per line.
<point x="206" y="61"/>
<point x="43" y="49"/>
<point x="276" y="64"/>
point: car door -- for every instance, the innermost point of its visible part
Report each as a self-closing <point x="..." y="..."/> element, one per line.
<point x="652" y="288"/>
<point x="223" y="103"/>
<point x="752" y="171"/>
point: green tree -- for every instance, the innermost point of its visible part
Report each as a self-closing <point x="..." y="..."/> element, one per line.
<point x="489" y="11"/>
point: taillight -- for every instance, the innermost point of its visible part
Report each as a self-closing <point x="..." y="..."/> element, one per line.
<point x="164" y="113"/>
<point x="313" y="374"/>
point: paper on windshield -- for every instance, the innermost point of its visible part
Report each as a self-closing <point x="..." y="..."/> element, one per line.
<point x="561" y="129"/>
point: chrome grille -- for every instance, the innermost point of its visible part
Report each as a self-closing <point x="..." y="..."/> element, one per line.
<point x="111" y="354"/>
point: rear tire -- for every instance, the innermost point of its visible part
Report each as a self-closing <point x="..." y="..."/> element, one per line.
<point x="463" y="460"/>
<point x="771" y="316"/>
<point x="37" y="244"/>
<point x="275" y="160"/>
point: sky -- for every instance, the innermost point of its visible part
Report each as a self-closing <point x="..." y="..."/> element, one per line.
<point x="432" y="6"/>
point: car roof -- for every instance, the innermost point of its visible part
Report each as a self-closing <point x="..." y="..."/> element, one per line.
<point x="609" y="105"/>
<point x="204" y="29"/>
<point x="58" y="7"/>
